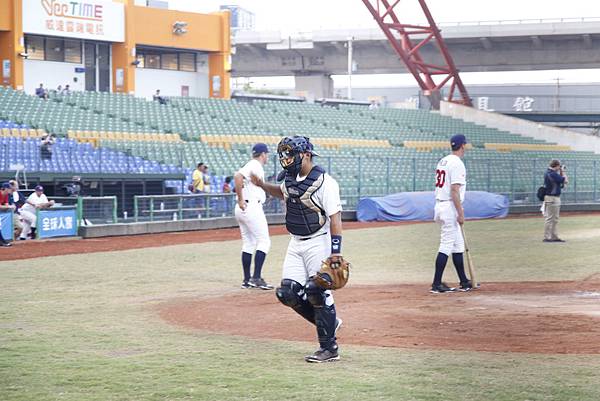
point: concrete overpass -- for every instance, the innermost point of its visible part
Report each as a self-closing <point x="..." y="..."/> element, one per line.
<point x="498" y="46"/>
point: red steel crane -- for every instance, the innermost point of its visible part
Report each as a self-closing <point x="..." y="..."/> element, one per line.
<point x="403" y="39"/>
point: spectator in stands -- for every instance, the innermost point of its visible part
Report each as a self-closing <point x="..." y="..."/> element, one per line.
<point x="59" y="89"/>
<point x="158" y="98"/>
<point x="554" y="180"/>
<point x="374" y="105"/>
<point x="66" y="90"/>
<point x="226" y="185"/>
<point x="41" y="92"/>
<point x="5" y="194"/>
<point x="35" y="201"/>
<point x="198" y="179"/>
<point x="18" y="200"/>
<point x="46" y="147"/>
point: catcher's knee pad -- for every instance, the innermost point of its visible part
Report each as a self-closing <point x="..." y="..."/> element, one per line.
<point x="315" y="294"/>
<point x="290" y="293"/>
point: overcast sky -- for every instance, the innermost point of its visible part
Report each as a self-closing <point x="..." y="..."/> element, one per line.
<point x="303" y="15"/>
<point x="292" y="16"/>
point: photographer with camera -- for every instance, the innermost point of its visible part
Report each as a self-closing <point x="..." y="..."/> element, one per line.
<point x="555" y="179"/>
<point x="73" y="188"/>
<point x="47" y="141"/>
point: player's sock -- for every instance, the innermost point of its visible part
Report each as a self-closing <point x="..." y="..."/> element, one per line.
<point x="457" y="259"/>
<point x="246" y="262"/>
<point x="259" y="260"/>
<point x="440" y="265"/>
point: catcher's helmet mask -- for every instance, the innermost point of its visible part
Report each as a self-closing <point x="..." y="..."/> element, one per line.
<point x="291" y="152"/>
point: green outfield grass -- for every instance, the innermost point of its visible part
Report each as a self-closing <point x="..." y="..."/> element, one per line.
<point x="84" y="327"/>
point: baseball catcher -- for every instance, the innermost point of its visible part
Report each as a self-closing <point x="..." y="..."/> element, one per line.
<point x="313" y="264"/>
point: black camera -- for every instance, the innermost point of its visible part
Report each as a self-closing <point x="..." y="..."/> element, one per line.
<point x="72" y="189"/>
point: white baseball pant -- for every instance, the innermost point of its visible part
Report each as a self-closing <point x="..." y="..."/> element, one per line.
<point x="29" y="221"/>
<point x="254" y="228"/>
<point x="451" y="239"/>
<point x="304" y="258"/>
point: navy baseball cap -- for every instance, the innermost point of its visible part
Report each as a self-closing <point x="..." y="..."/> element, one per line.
<point x="457" y="140"/>
<point x="39" y="188"/>
<point x="6" y="185"/>
<point x="260" y="148"/>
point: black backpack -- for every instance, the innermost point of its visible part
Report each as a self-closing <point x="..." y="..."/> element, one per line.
<point x="541" y="193"/>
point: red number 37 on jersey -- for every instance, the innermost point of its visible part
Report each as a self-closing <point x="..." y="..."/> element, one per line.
<point x="440" y="178"/>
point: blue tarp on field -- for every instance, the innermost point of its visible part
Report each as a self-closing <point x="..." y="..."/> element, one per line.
<point x="418" y="206"/>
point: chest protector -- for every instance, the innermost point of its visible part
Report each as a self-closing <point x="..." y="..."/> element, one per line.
<point x="303" y="216"/>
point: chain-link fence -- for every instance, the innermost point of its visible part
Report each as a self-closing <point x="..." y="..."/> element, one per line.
<point x="362" y="176"/>
<point x="91" y="209"/>
<point x="518" y="179"/>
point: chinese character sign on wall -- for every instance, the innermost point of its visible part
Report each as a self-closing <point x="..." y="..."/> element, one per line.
<point x="57" y="223"/>
<point x="523" y="104"/>
<point x="89" y="19"/>
<point x="483" y="103"/>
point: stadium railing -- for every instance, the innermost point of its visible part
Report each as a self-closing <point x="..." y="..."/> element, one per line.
<point x="192" y="206"/>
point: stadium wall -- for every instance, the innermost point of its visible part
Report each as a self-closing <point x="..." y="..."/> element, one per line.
<point x="51" y="74"/>
<point x="170" y="83"/>
<point x="11" y="32"/>
<point x="109" y="230"/>
<point x="575" y="140"/>
<point x="147" y="26"/>
<point x="134" y="26"/>
<point x="5" y="20"/>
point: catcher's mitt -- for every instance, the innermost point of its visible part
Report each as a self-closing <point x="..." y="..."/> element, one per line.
<point x="334" y="273"/>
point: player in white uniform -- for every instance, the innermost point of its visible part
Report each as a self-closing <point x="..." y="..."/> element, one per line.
<point x="450" y="188"/>
<point x="313" y="218"/>
<point x="251" y="217"/>
<point x="37" y="200"/>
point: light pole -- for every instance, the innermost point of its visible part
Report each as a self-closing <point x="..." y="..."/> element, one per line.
<point x="350" y="39"/>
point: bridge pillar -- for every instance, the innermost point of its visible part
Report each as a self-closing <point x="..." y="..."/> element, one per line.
<point x="317" y="85"/>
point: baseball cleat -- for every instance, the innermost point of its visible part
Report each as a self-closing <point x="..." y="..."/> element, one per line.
<point x="260" y="283"/>
<point x="323" y="355"/>
<point x="441" y="288"/>
<point x="465" y="286"/>
<point x="245" y="285"/>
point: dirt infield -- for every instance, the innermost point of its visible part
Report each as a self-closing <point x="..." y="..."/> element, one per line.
<point x="67" y="246"/>
<point x="533" y="317"/>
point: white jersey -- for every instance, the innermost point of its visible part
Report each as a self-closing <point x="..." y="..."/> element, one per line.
<point x="327" y="197"/>
<point x="251" y="192"/>
<point x="450" y="170"/>
<point x="35" y="200"/>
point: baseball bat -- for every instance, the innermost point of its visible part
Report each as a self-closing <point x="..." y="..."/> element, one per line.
<point x="470" y="264"/>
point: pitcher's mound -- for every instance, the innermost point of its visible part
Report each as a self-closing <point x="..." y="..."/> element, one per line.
<point x="540" y="317"/>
